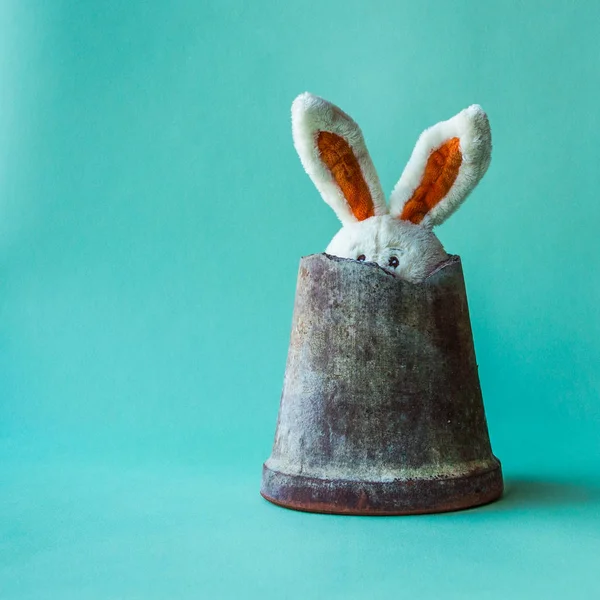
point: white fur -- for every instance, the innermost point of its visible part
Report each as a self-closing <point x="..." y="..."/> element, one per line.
<point x="384" y="236"/>
<point x="473" y="130"/>
<point x="310" y="115"/>
<point x="379" y="238"/>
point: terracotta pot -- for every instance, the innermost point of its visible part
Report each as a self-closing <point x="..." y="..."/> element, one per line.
<point x="381" y="411"/>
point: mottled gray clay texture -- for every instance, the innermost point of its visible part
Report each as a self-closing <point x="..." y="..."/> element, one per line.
<point x="381" y="411"/>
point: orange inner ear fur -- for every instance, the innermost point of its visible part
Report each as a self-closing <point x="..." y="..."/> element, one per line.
<point x="440" y="174"/>
<point x="337" y="154"/>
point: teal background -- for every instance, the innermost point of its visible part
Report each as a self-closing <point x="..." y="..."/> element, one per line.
<point x="152" y="215"/>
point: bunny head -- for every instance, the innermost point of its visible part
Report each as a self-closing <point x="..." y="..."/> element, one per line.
<point x="448" y="161"/>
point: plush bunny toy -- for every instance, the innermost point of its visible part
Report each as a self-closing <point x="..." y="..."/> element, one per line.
<point x="448" y="161"/>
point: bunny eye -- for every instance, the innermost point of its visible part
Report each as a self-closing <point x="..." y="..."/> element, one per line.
<point x="362" y="257"/>
<point x="393" y="262"/>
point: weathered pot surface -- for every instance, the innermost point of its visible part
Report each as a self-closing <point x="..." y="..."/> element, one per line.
<point x="381" y="410"/>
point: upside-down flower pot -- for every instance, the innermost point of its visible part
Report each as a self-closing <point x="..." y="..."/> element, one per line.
<point x="381" y="411"/>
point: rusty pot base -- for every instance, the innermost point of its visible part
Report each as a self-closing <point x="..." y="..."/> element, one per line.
<point x="398" y="497"/>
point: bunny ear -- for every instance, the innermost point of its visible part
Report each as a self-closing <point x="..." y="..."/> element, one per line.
<point x="333" y="152"/>
<point x="448" y="161"/>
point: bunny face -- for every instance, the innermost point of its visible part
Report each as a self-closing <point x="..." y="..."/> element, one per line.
<point x="403" y="249"/>
<point x="448" y="161"/>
